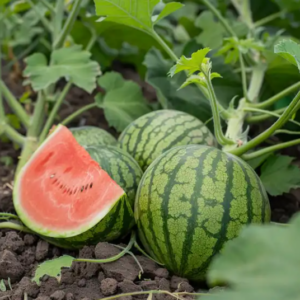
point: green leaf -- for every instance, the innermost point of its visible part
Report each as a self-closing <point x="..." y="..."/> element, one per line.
<point x="189" y="100"/>
<point x="168" y="9"/>
<point x="212" y="31"/>
<point x="256" y="162"/>
<point x="74" y="64"/>
<point x="262" y="263"/>
<point x="124" y="101"/>
<point x="133" y="13"/>
<point x="6" y="160"/>
<point x="289" y="50"/>
<point x="279" y="175"/>
<point x="52" y="268"/>
<point x="111" y="81"/>
<point x="192" y="64"/>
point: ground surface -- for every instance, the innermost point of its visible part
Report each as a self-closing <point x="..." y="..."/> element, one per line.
<point x="21" y="253"/>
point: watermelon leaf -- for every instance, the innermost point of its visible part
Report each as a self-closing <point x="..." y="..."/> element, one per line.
<point x="290" y="51"/>
<point x="262" y="263"/>
<point x="279" y="175"/>
<point x="72" y="63"/>
<point x="133" y="13"/>
<point x="192" y="64"/>
<point x="123" y="102"/>
<point x="53" y="267"/>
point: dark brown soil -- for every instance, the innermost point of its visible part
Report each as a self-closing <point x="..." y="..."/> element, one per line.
<point x="21" y="253"/>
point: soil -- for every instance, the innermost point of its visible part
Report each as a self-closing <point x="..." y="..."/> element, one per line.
<point x="21" y="253"/>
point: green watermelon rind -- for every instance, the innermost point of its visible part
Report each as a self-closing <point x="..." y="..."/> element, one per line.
<point x="120" y="166"/>
<point x="50" y="233"/>
<point x="93" y="136"/>
<point x="185" y="233"/>
<point x="154" y="133"/>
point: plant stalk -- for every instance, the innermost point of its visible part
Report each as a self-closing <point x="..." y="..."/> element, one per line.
<point x="222" y="140"/>
<point x="278" y="96"/>
<point x="15" y="105"/>
<point x="54" y="111"/>
<point x="58" y="19"/>
<point x="257" y="79"/>
<point x="77" y="113"/>
<point x="289" y="111"/>
<point x="48" y="5"/>
<point x="31" y="142"/>
<point x="168" y="50"/>
<point x="270" y="149"/>
<point x="68" y="25"/>
<point x="244" y="77"/>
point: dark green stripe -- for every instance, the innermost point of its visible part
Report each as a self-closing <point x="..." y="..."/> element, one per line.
<point x="164" y="211"/>
<point x="225" y="220"/>
<point x="249" y="189"/>
<point x="193" y="220"/>
<point x="264" y="200"/>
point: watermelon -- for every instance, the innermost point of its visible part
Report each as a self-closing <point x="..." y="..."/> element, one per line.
<point x="93" y="136"/>
<point x="63" y="195"/>
<point x="156" y="132"/>
<point x="120" y="166"/>
<point x="192" y="200"/>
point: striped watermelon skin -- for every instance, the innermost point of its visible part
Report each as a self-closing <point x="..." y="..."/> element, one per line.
<point x="116" y="224"/>
<point x="192" y="200"/>
<point x="93" y="136"/>
<point x="121" y="167"/>
<point x="154" y="133"/>
<point x="125" y="171"/>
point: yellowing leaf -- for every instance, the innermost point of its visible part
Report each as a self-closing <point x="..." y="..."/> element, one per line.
<point x="192" y="64"/>
<point x="52" y="268"/>
<point x="73" y="63"/>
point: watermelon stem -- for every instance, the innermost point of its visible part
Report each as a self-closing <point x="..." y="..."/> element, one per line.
<point x="113" y="258"/>
<point x="175" y="295"/>
<point x="8" y="216"/>
<point x="134" y="257"/>
<point x="137" y="246"/>
<point x="11" y="225"/>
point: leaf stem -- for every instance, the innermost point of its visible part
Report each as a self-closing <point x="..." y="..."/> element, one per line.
<point x="11" y="225"/>
<point x="113" y="258"/>
<point x="78" y="112"/>
<point x="278" y="96"/>
<point x="54" y="111"/>
<point x="222" y="20"/>
<point x="57" y="19"/>
<point x="268" y="19"/>
<point x="8" y="215"/>
<point x="11" y="133"/>
<point x="289" y="111"/>
<point x="270" y="149"/>
<point x="14" y="104"/>
<point x="168" y="50"/>
<point x="267" y="113"/>
<point x="68" y="25"/>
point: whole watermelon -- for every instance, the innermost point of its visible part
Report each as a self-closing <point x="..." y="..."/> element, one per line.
<point x="125" y="171"/>
<point x="154" y="133"/>
<point x="192" y="200"/>
<point x="93" y="136"/>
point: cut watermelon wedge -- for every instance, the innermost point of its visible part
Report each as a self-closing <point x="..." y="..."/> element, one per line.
<point x="62" y="192"/>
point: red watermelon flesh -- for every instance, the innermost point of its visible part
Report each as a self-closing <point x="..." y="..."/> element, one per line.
<point x="62" y="191"/>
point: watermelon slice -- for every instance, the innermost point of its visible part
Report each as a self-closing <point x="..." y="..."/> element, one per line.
<point x="62" y="192"/>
